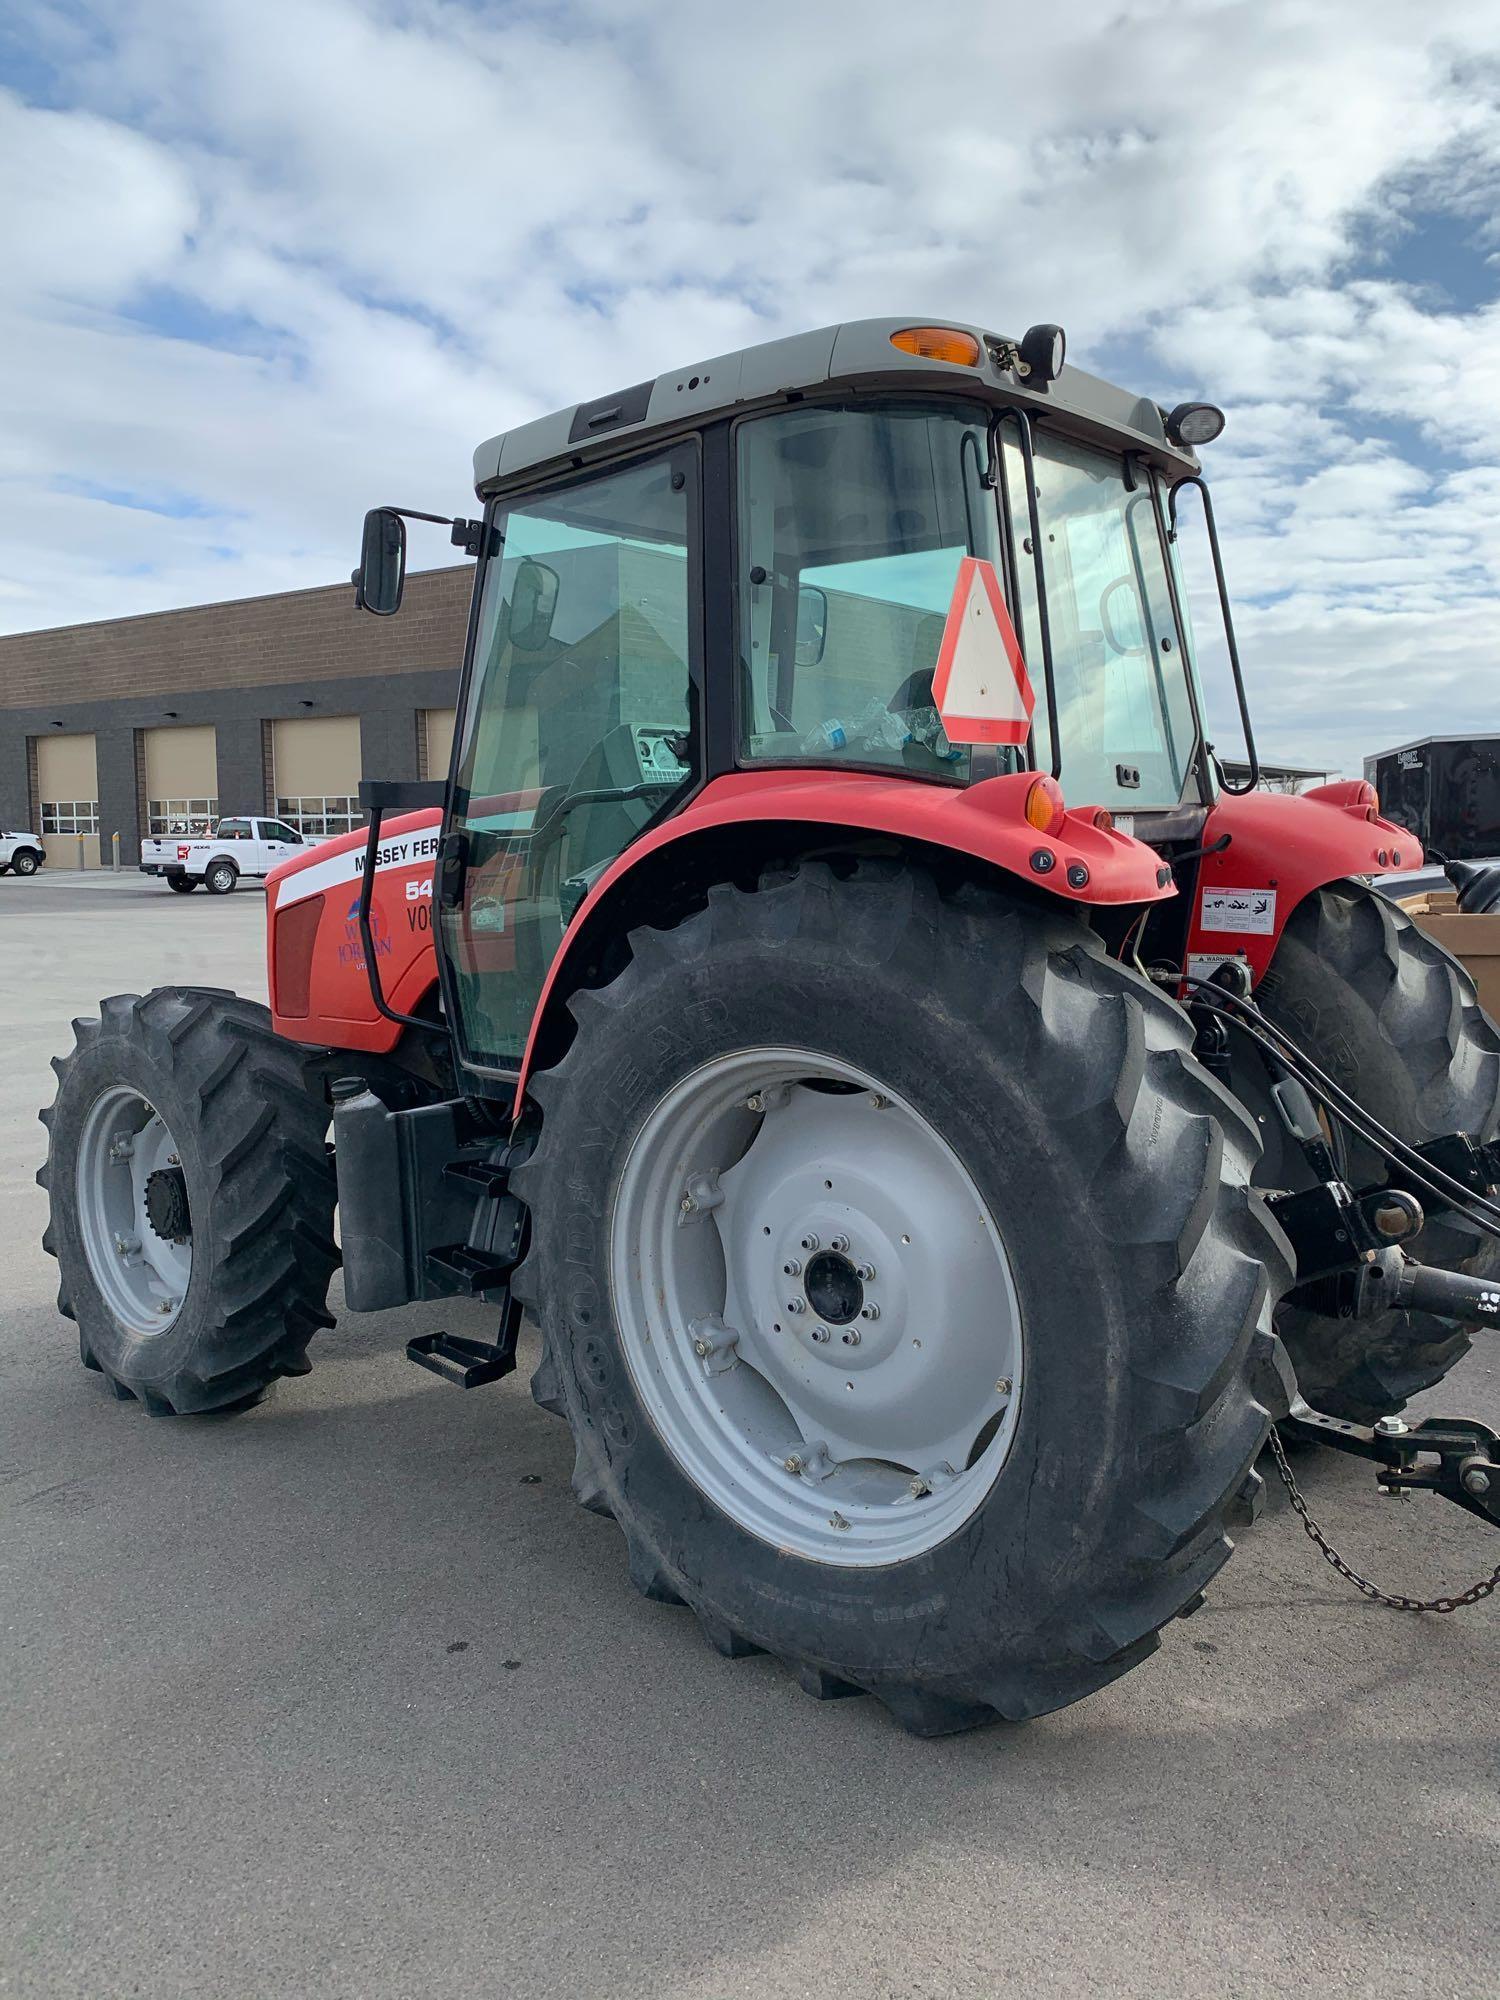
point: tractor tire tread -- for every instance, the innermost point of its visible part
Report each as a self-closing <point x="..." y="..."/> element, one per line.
<point x="1168" y="1156"/>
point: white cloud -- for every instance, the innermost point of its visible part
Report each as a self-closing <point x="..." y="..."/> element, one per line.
<point x="280" y="260"/>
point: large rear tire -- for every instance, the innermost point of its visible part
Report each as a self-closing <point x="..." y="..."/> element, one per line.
<point x="191" y="1199"/>
<point x="1397" y="1021"/>
<point x="1061" y="1218"/>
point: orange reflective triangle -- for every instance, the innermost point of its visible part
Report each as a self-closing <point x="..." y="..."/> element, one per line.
<point x="980" y="685"/>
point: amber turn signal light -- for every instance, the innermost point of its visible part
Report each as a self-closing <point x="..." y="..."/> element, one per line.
<point x="938" y="343"/>
<point x="1044" y="805"/>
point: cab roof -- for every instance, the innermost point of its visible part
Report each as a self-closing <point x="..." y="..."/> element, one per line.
<point x="856" y="354"/>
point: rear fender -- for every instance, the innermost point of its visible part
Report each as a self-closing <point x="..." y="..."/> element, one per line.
<point x="1281" y="848"/>
<point x="986" y="821"/>
<point x="315" y="961"/>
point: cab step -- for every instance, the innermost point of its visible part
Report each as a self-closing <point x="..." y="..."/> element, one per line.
<point x="469" y="1364"/>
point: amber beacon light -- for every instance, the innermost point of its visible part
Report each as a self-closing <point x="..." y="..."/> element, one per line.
<point x="938" y="343"/>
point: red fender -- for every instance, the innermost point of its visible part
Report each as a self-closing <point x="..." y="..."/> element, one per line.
<point x="1281" y="848"/>
<point x="986" y="820"/>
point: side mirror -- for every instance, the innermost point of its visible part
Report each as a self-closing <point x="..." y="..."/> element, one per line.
<point x="533" y="606"/>
<point x="381" y="576"/>
<point x="812" y="624"/>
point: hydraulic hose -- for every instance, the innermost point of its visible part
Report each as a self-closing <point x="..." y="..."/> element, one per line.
<point x="1249" y="1019"/>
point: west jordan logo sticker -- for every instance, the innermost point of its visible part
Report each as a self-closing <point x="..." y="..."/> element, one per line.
<point x="980" y="685"/>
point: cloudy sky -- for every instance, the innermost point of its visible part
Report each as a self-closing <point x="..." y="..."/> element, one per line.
<point x="265" y="262"/>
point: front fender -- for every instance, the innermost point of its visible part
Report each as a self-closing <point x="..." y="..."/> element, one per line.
<point x="986" y="820"/>
<point x="1281" y="848"/>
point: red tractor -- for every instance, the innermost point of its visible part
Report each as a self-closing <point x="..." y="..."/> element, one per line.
<point x="930" y="1192"/>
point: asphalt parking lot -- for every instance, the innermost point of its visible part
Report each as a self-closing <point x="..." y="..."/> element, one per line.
<point x="331" y="1698"/>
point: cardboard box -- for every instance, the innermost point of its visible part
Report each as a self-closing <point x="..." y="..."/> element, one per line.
<point x="1472" y="936"/>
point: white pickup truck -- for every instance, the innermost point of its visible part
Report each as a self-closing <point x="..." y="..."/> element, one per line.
<point x="235" y="848"/>
<point x="22" y="851"/>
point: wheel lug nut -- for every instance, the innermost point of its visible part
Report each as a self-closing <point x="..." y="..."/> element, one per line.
<point x="820" y="1334"/>
<point x="871" y="1311"/>
<point x="792" y="1267"/>
<point x="850" y="1336"/>
<point x="867" y="1272"/>
<point x="839" y="1243"/>
<point x="809" y="1241"/>
<point x="796" y="1305"/>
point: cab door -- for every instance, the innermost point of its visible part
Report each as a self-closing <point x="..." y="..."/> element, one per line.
<point x="578" y="727"/>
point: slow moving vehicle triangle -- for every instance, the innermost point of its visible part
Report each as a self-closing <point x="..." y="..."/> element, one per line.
<point x="980" y="685"/>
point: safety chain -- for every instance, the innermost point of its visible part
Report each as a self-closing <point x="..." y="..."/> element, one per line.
<point x="1310" y="1527"/>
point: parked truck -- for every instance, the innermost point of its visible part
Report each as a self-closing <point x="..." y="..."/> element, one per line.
<point x="236" y="849"/>
<point x="22" y="852"/>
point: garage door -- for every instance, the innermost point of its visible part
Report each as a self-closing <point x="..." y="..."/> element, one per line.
<point x="182" y="779"/>
<point x="316" y="762"/>
<point x="435" y="741"/>
<point x="68" y="795"/>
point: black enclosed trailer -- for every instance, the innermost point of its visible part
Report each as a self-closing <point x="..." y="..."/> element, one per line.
<point x="1446" y="789"/>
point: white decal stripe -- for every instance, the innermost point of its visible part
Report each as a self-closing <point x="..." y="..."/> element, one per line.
<point x="406" y="850"/>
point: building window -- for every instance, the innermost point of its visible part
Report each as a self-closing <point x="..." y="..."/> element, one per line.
<point x="319" y="817"/>
<point x="70" y="816"/>
<point x="183" y="815"/>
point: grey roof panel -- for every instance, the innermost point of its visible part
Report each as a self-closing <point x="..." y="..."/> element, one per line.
<point x="857" y="351"/>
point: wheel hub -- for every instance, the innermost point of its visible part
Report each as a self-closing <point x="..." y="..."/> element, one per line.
<point x="816" y="1307"/>
<point x="133" y="1211"/>
<point x="834" y="1289"/>
<point x="167" y="1204"/>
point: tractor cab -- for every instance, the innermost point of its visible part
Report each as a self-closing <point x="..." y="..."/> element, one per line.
<point x="750" y="566"/>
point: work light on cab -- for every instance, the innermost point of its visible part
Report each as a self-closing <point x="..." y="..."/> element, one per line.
<point x="1195" y="423"/>
<point x="1042" y="349"/>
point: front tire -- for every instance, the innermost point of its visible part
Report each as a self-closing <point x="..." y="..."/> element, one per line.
<point x="1109" y="1168"/>
<point x="221" y="878"/>
<point x="26" y="862"/>
<point x="191" y="1199"/>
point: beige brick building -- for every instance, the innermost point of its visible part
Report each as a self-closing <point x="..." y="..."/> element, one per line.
<point x="277" y="704"/>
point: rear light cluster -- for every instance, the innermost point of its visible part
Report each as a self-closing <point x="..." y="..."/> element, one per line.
<point x="293" y="937"/>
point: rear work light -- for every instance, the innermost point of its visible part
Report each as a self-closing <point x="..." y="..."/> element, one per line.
<point x="1044" y="805"/>
<point x="938" y="343"/>
<point x="293" y="936"/>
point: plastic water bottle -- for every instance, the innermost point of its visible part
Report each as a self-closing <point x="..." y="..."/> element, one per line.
<point x="830" y="735"/>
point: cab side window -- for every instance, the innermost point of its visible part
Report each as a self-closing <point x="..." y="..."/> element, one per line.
<point x="580" y="724"/>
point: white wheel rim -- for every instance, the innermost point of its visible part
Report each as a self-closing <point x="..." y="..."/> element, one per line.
<point x="141" y="1275"/>
<point x="849" y="1435"/>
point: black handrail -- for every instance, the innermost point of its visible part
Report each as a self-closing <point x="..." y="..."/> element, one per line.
<point x="1028" y="465"/>
<point x="1196" y="479"/>
<point x="375" y="794"/>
